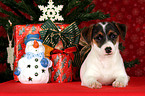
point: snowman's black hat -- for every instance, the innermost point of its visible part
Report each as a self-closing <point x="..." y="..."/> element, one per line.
<point x="32" y="37"/>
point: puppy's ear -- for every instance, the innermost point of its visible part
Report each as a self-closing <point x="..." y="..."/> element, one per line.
<point x="86" y="34"/>
<point x="122" y="29"/>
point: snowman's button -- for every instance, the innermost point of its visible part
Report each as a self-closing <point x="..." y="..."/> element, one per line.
<point x="36" y="74"/>
<point x="36" y="66"/>
<point x="28" y="66"/>
<point x="43" y="71"/>
<point x="36" y="59"/>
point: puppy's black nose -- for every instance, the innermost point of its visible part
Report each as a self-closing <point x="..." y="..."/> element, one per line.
<point x="108" y="49"/>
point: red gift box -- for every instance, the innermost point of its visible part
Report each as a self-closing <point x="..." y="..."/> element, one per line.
<point x="62" y="65"/>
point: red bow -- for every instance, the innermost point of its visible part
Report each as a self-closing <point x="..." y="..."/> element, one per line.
<point x="69" y="51"/>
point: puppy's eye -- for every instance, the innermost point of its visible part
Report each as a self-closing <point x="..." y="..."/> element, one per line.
<point x="113" y="36"/>
<point x="99" y="37"/>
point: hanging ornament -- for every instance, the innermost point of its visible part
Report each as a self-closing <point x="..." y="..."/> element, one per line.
<point x="51" y="11"/>
<point x="10" y="51"/>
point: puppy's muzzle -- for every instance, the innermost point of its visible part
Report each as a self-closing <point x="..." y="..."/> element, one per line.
<point x="108" y="50"/>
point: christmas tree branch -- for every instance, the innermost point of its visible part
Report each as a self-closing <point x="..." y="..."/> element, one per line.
<point x="42" y="2"/>
<point x="131" y="63"/>
<point x="95" y="15"/>
<point x="82" y="12"/>
<point x="12" y="4"/>
<point x="26" y="5"/>
<point x="80" y="8"/>
<point x="3" y="20"/>
<point x="33" y="11"/>
<point x="13" y="18"/>
<point x="90" y="8"/>
<point x="121" y="47"/>
<point x="9" y="13"/>
<point x="72" y="4"/>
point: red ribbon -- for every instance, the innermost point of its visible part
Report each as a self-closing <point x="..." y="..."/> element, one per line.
<point x="69" y="51"/>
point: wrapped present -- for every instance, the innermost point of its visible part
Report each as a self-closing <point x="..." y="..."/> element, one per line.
<point x="20" y="34"/>
<point x="62" y="38"/>
<point x="62" y="65"/>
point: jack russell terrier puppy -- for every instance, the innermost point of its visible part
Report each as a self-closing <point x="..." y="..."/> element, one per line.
<point x="104" y="64"/>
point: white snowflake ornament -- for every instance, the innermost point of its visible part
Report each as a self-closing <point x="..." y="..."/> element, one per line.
<point x="51" y="11"/>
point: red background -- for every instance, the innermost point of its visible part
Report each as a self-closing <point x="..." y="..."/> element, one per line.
<point x="129" y="12"/>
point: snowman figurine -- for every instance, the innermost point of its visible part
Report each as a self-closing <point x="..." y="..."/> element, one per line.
<point x="33" y="67"/>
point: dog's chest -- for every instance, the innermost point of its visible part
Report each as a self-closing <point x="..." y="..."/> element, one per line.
<point x="106" y="63"/>
<point x="106" y="69"/>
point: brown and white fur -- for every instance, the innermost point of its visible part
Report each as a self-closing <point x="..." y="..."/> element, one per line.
<point x="104" y="64"/>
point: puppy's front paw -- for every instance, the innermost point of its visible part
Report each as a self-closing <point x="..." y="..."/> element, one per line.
<point x="118" y="84"/>
<point x="95" y="85"/>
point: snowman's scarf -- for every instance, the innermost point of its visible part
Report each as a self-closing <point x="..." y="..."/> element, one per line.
<point x="30" y="55"/>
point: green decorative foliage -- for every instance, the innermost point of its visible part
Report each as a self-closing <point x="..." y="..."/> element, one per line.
<point x="79" y="10"/>
<point x="129" y="64"/>
<point x="121" y="47"/>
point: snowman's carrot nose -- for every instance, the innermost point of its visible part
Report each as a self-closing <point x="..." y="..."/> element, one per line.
<point x="36" y="44"/>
